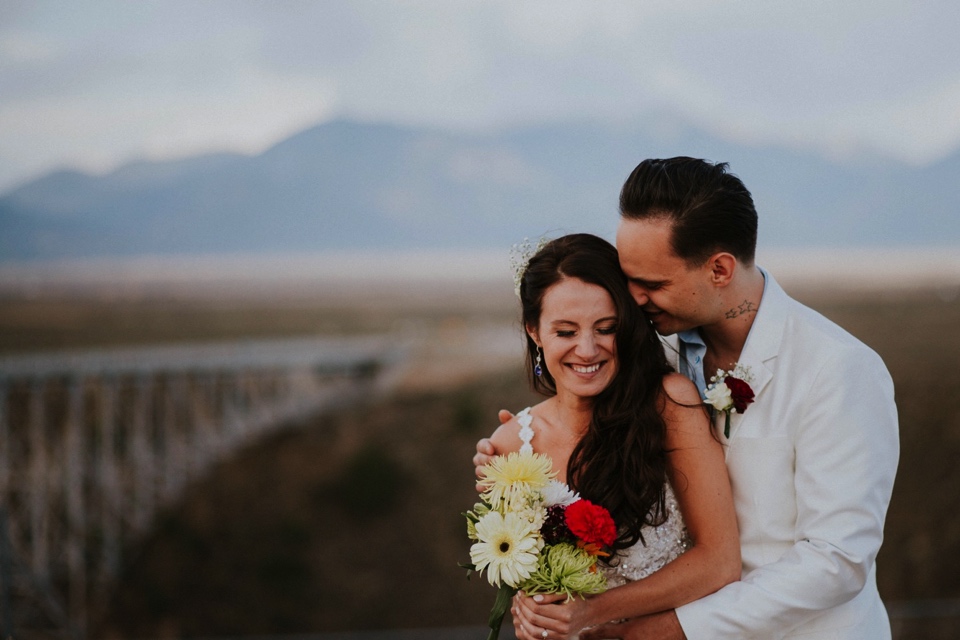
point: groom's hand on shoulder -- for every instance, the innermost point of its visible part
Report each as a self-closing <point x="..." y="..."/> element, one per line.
<point x="656" y="626"/>
<point x="485" y="449"/>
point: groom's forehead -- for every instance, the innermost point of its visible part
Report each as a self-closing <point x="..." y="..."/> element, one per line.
<point x="646" y="249"/>
<point x="652" y="232"/>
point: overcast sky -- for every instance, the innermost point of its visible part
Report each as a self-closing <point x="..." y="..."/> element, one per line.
<point x="93" y="84"/>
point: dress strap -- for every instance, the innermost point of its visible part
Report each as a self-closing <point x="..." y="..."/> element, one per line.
<point x="526" y="431"/>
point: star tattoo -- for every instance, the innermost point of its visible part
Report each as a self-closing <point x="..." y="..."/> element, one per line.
<point x="744" y="308"/>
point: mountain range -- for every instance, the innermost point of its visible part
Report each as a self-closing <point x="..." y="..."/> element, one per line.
<point x="349" y="185"/>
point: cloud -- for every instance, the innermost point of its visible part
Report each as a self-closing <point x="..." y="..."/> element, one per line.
<point x="98" y="84"/>
<point x="96" y="129"/>
<point x="916" y="126"/>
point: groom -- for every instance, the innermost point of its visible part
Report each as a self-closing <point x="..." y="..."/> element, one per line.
<point x="811" y="462"/>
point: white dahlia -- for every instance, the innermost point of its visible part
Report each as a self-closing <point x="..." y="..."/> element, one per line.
<point x="558" y="493"/>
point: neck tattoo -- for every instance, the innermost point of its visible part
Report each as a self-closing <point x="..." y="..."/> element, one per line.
<point x="744" y="308"/>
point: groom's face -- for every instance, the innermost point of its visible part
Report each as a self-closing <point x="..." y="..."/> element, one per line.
<point x="674" y="296"/>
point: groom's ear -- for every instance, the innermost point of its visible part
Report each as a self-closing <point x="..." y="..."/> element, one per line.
<point x="722" y="267"/>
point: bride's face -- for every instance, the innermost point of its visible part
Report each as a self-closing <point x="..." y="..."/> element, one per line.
<point x="578" y="325"/>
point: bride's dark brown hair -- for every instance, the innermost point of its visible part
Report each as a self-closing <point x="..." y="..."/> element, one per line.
<point x="620" y="462"/>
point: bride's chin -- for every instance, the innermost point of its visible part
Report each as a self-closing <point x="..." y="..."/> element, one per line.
<point x="586" y="389"/>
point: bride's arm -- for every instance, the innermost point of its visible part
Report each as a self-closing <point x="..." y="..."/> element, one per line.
<point x="698" y="474"/>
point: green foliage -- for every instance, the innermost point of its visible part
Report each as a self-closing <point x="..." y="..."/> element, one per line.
<point x="467" y="413"/>
<point x="283" y="567"/>
<point x="183" y="535"/>
<point x="369" y="484"/>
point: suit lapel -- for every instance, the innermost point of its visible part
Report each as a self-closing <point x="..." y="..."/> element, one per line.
<point x="763" y="344"/>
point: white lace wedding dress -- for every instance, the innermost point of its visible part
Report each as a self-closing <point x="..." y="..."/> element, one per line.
<point x="660" y="544"/>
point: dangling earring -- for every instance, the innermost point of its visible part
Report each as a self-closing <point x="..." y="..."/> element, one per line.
<point x="537" y="369"/>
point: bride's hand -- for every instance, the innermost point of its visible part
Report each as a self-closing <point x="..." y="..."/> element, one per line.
<point x="553" y="613"/>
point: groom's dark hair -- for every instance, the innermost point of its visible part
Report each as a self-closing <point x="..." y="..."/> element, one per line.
<point x="711" y="210"/>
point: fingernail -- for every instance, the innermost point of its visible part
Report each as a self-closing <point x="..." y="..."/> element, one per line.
<point x="538" y="598"/>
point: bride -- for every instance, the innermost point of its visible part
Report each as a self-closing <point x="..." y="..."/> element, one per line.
<point x="625" y="432"/>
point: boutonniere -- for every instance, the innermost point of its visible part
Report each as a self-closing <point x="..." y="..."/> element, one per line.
<point x="730" y="392"/>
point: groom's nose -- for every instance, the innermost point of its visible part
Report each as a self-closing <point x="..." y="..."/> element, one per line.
<point x="639" y="294"/>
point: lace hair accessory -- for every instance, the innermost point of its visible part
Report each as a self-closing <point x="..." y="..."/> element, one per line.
<point x="520" y="255"/>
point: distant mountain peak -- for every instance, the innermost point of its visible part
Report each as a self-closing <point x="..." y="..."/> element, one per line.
<point x="345" y="184"/>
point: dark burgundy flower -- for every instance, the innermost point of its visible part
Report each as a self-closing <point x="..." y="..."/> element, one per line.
<point x="740" y="393"/>
<point x="554" y="529"/>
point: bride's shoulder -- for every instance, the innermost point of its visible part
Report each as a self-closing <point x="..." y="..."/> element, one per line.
<point x="680" y="390"/>
<point x="683" y="411"/>
<point x="506" y="438"/>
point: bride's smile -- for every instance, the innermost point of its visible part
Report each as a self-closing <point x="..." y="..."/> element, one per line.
<point x="586" y="369"/>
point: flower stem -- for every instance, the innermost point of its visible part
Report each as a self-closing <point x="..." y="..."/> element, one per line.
<point x="500" y="605"/>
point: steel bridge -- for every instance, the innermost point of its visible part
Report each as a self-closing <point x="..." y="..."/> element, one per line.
<point x="94" y="443"/>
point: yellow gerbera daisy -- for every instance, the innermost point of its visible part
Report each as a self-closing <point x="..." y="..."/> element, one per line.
<point x="515" y="474"/>
<point x="508" y="548"/>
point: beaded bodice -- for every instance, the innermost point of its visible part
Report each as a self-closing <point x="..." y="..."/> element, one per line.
<point x="660" y="545"/>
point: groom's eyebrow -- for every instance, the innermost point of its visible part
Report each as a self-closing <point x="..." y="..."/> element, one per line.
<point x="647" y="283"/>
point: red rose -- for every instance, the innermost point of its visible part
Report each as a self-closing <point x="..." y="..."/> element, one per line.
<point x="591" y="523"/>
<point x="740" y="393"/>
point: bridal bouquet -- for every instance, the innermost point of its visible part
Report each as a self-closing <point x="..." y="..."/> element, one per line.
<point x="532" y="533"/>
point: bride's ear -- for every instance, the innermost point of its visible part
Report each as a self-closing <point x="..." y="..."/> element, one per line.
<point x="532" y="332"/>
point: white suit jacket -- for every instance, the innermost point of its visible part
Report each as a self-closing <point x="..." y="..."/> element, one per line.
<point x="812" y="463"/>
